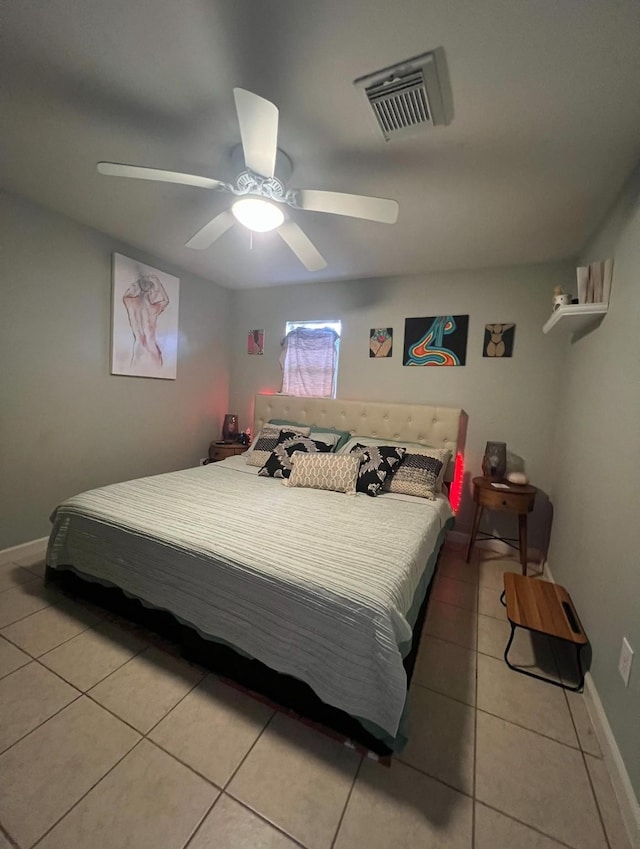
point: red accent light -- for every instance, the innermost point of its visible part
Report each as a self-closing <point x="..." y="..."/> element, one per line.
<point x="455" y="492"/>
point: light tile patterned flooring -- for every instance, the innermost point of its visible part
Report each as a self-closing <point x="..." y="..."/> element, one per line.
<point x="109" y="740"/>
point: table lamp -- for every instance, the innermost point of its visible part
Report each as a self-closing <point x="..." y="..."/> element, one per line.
<point x="230" y="427"/>
<point x="494" y="462"/>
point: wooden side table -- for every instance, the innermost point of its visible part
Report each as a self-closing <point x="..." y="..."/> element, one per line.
<point x="221" y="450"/>
<point x="548" y="609"/>
<point x="514" y="499"/>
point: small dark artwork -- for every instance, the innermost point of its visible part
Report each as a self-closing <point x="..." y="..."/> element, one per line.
<point x="498" y="340"/>
<point x="439" y="340"/>
<point x="381" y="342"/>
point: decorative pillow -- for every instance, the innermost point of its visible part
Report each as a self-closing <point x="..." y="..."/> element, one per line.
<point x="442" y="454"/>
<point x="278" y="464"/>
<point x="378" y="461"/>
<point x="267" y="440"/>
<point x="418" y="475"/>
<point x="335" y="472"/>
<point x="326" y="434"/>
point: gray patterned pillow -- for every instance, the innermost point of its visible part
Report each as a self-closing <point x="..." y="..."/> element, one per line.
<point x="279" y="464"/>
<point x="335" y="472"/>
<point x="417" y="474"/>
<point x="378" y="462"/>
<point x="268" y="439"/>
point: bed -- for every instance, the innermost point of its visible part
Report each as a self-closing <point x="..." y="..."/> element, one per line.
<point x="324" y="589"/>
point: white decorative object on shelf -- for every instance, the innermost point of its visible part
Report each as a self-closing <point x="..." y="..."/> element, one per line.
<point x="594" y="282"/>
<point x="574" y="318"/>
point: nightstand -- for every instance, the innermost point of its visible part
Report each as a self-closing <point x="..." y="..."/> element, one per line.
<point x="514" y="499"/>
<point x="220" y="451"/>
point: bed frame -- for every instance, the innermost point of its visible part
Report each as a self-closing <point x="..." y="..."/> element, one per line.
<point x="439" y="427"/>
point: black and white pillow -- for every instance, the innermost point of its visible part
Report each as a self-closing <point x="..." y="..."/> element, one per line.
<point x="418" y="475"/>
<point x="378" y="462"/>
<point x="279" y="464"/>
<point x="267" y="440"/>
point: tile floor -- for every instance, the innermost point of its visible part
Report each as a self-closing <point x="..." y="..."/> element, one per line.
<point x="109" y="740"/>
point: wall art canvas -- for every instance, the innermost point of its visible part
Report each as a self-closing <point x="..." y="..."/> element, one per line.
<point x="144" y="325"/>
<point x="498" y="340"/>
<point x="439" y="340"/>
<point x="255" y="342"/>
<point x="381" y="342"/>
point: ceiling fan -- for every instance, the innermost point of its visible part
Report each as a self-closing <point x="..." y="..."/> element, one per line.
<point x="260" y="187"/>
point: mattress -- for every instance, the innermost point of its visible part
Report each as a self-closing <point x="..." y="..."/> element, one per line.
<point x="319" y="585"/>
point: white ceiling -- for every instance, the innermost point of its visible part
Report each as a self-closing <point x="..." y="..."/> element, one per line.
<point x="546" y="127"/>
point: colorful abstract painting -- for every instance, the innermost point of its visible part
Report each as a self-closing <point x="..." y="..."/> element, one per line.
<point x="439" y="340"/>
<point x="498" y="340"/>
<point x="144" y="320"/>
<point x="255" y="342"/>
<point x="381" y="342"/>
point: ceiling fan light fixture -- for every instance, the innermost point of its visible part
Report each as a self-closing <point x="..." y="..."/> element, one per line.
<point x="257" y="214"/>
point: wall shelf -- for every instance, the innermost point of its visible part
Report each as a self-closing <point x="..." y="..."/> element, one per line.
<point x="566" y="321"/>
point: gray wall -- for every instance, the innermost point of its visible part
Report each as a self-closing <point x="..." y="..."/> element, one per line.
<point x="512" y="399"/>
<point x="66" y="424"/>
<point x="595" y="545"/>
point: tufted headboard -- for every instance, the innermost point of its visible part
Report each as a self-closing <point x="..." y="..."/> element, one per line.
<point x="438" y="427"/>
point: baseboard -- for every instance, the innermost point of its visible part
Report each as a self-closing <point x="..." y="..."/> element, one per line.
<point x="34" y="548"/>
<point x="629" y="807"/>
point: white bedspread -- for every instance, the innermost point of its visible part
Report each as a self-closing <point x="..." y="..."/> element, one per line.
<point x="314" y="584"/>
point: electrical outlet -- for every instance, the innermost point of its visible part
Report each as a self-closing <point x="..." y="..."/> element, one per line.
<point x="626" y="659"/>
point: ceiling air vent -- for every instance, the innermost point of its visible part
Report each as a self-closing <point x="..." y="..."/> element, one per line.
<point x="405" y="96"/>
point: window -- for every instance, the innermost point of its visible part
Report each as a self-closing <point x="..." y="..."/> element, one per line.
<point x="310" y="358"/>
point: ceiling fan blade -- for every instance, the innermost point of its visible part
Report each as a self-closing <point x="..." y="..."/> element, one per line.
<point x="115" y="169"/>
<point x="355" y="206"/>
<point x="302" y="246"/>
<point x="258" y="119"/>
<point x="210" y="232"/>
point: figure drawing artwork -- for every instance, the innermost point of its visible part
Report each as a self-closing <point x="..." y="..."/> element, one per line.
<point x="144" y="328"/>
<point x="498" y="340"/>
<point x="439" y="340"/>
<point x="255" y="342"/>
<point x="381" y="342"/>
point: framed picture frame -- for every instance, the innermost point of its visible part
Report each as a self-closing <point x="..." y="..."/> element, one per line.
<point x="255" y="342"/>
<point x="144" y="320"/>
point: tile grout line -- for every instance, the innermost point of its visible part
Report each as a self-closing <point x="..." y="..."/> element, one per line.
<point x="248" y="752"/>
<point x="95" y="684"/>
<point x="439" y="693"/>
<point x="531" y="730"/>
<point x="527" y="825"/>
<point x="144" y="736"/>
<point x="435" y="778"/>
<point x="595" y="799"/>
<point x="86" y="793"/>
<point x="170" y="711"/>
<point x="584" y="760"/>
<point x="348" y="799"/>
<point x="244" y="804"/>
<point x="22" y="618"/>
<point x="40" y="724"/>
<point x="4" y="833"/>
<point x="264" y="819"/>
<point x="184" y="763"/>
<point x="37" y="657"/>
<point x="204" y="817"/>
